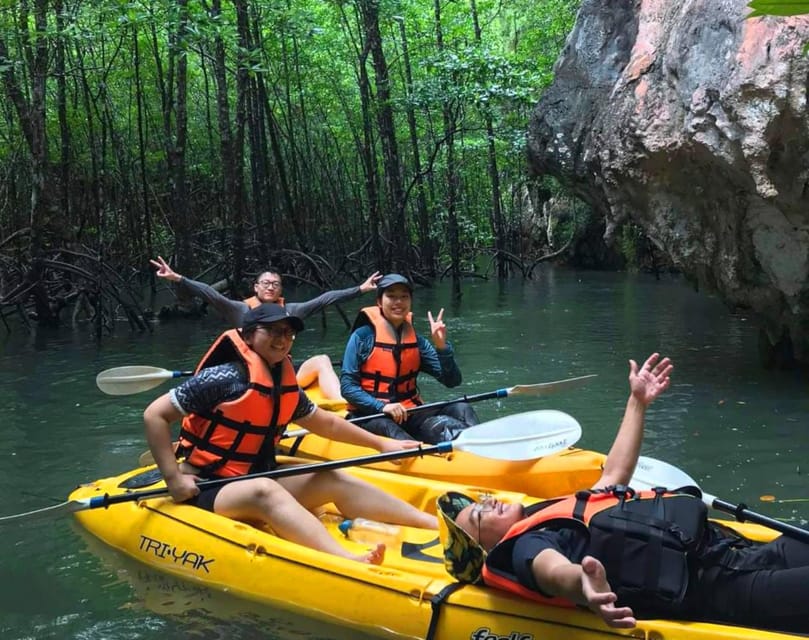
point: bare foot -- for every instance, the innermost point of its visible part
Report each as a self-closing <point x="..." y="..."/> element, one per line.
<point x="374" y="556"/>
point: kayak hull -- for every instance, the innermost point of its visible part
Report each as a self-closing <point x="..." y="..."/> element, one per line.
<point x="394" y="600"/>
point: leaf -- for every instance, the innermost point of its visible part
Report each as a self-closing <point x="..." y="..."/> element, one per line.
<point x="776" y="8"/>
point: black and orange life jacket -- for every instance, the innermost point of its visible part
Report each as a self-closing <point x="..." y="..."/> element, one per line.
<point x="389" y="374"/>
<point x="648" y="542"/>
<point x="239" y="436"/>
<point x="253" y="301"/>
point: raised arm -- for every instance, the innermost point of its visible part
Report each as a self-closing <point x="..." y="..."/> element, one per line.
<point x="646" y="384"/>
<point x="310" y="307"/>
<point x="439" y="363"/>
<point x="231" y="311"/>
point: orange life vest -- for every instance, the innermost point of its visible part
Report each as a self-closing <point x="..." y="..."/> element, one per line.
<point x="647" y="541"/>
<point x="239" y="436"/>
<point x="392" y="367"/>
<point x="253" y="301"/>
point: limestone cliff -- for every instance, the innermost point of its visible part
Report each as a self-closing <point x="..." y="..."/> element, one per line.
<point x="692" y="121"/>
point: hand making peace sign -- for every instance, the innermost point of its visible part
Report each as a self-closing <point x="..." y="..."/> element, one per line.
<point x="438" y="329"/>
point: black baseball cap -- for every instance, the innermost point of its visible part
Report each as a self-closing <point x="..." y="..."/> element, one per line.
<point x="267" y="313"/>
<point x="391" y="279"/>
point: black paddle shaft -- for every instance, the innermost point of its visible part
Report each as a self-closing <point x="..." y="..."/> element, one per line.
<point x="743" y="514"/>
<point x="488" y="395"/>
<point x="294" y="470"/>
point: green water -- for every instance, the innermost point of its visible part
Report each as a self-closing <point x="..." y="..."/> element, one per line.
<point x="738" y="430"/>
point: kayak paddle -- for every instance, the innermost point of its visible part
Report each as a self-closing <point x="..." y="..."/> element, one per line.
<point x="651" y="473"/>
<point x="123" y="381"/>
<point x="541" y="389"/>
<point x="522" y="436"/>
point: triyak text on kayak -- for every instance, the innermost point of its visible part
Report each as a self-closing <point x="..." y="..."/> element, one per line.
<point x="167" y="551"/>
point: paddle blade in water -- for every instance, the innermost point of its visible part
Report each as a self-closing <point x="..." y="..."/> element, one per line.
<point x="522" y="436"/>
<point x="548" y="388"/>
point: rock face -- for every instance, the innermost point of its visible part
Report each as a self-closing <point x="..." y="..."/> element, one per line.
<point x="692" y="121"/>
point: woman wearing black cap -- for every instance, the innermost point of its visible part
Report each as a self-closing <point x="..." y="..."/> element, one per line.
<point x="382" y="360"/>
<point x="234" y="410"/>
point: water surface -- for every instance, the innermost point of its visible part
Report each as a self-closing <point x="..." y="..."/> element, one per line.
<point x="740" y="431"/>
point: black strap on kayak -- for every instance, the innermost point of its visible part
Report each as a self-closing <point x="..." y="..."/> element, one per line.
<point x="436" y="601"/>
<point x="294" y="448"/>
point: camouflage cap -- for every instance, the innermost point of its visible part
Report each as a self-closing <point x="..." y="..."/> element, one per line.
<point x="463" y="555"/>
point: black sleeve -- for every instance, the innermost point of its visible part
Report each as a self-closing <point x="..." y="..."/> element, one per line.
<point x="210" y="387"/>
<point x="571" y="543"/>
<point x="304" y="408"/>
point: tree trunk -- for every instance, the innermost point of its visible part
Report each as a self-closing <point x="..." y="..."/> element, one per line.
<point x="498" y="228"/>
<point x="61" y="107"/>
<point x="176" y="144"/>
<point x="260" y="152"/>
<point x="366" y="151"/>
<point x="387" y="135"/>
<point x="40" y="210"/>
<point x="452" y="176"/>
<point x="425" y="223"/>
<point x="293" y="193"/>
<point x="242" y="88"/>
<point x="145" y="236"/>
<point x="231" y="167"/>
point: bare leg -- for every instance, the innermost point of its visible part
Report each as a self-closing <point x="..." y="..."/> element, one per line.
<point x="319" y="368"/>
<point x="354" y="497"/>
<point x="264" y="500"/>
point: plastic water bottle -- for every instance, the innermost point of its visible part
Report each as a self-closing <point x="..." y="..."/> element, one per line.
<point x="366" y="531"/>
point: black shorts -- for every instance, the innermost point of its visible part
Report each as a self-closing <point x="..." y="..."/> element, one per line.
<point x="205" y="498"/>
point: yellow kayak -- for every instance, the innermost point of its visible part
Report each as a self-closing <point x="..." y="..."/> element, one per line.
<point x="409" y="596"/>
<point x="556" y="475"/>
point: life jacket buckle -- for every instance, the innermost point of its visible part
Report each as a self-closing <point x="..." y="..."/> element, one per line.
<point x="622" y="492"/>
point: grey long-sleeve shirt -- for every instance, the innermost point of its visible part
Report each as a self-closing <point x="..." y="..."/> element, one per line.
<point x="233" y="310"/>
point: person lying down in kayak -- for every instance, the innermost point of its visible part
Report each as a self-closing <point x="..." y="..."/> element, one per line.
<point x="234" y="410"/>
<point x="620" y="554"/>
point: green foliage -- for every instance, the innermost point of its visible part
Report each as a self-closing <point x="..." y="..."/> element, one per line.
<point x="307" y="54"/>
<point x="631" y="236"/>
<point x="777" y="8"/>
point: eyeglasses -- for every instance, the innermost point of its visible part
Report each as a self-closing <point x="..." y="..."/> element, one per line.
<point x="288" y="333"/>
<point x="269" y="284"/>
<point x="485" y="505"/>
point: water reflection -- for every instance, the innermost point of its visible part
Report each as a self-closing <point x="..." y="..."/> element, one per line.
<point x="170" y="607"/>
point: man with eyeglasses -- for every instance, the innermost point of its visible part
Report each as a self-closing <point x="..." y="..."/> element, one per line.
<point x="234" y="410"/>
<point x="268" y="287"/>
<point x="625" y="554"/>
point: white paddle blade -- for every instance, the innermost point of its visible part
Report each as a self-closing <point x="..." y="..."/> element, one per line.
<point x="548" y="388"/>
<point x="522" y="436"/>
<point x="122" y="381"/>
<point x="651" y="473"/>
